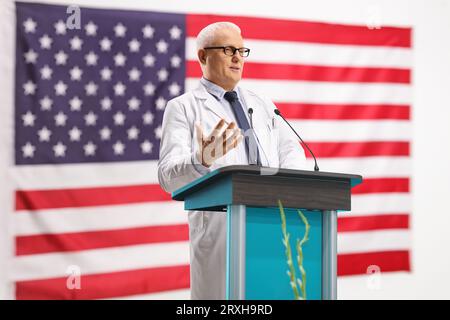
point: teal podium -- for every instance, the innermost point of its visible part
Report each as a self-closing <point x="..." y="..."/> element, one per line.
<point x="256" y="261"/>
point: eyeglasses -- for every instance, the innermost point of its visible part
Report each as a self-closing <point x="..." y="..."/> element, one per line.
<point x="230" y="51"/>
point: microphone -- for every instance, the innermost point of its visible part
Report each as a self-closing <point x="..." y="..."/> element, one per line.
<point x="250" y="113"/>
<point x="278" y="113"/>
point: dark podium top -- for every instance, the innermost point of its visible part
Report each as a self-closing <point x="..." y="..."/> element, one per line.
<point x="262" y="186"/>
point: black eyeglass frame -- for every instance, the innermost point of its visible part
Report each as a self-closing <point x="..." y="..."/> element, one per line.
<point x="233" y="49"/>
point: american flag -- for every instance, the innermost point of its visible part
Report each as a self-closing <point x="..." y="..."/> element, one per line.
<point x="88" y="109"/>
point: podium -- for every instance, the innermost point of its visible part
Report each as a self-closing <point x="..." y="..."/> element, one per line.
<point x="256" y="260"/>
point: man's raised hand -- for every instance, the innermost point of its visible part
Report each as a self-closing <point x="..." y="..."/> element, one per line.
<point x="219" y="142"/>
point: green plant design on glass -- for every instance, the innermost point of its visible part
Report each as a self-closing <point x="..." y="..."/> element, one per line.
<point x="298" y="285"/>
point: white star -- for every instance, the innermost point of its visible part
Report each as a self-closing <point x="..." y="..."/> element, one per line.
<point x="149" y="60"/>
<point x="163" y="74"/>
<point x="30" y="56"/>
<point x="162" y="46"/>
<point x="46" y="103"/>
<point x="133" y="133"/>
<point x="29" y="25"/>
<point x="89" y="149"/>
<point x="75" y="104"/>
<point x="106" y="103"/>
<point x="105" y="133"/>
<point x="119" y="59"/>
<point x="29" y="87"/>
<point x="148" y="31"/>
<point x="91" y="89"/>
<point x="134" y="74"/>
<point x="147" y="118"/>
<point x="60" y="119"/>
<point x="91" y="29"/>
<point x="44" y="134"/>
<point x="158" y="133"/>
<point x="175" y="61"/>
<point x="60" y="27"/>
<point x="118" y="147"/>
<point x="119" y="119"/>
<point x="60" y="88"/>
<point x="149" y="89"/>
<point x="90" y="119"/>
<point x="174" y="89"/>
<point x="75" y="134"/>
<point x="146" y="147"/>
<point x="175" y="33"/>
<point x="134" y="103"/>
<point x="91" y="59"/>
<point x="59" y="149"/>
<point x="45" y="41"/>
<point x="119" y="89"/>
<point x="161" y="103"/>
<point x="28" y="150"/>
<point x="28" y="119"/>
<point x="134" y="45"/>
<point x="76" y="73"/>
<point x="105" y="44"/>
<point x="61" y="58"/>
<point x="120" y="30"/>
<point x="106" y="73"/>
<point x="76" y="43"/>
<point x="46" y="72"/>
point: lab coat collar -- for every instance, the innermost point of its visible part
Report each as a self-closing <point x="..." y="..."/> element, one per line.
<point x="210" y="102"/>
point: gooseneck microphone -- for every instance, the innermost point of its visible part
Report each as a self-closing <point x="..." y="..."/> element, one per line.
<point x="250" y="113"/>
<point x="278" y="113"/>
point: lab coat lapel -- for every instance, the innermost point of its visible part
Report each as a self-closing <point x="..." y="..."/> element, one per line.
<point x="210" y="103"/>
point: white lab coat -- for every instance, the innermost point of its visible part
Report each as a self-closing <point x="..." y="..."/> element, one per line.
<point x="207" y="230"/>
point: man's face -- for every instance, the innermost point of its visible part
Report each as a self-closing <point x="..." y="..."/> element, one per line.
<point x="223" y="70"/>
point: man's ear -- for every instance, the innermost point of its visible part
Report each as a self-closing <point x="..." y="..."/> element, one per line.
<point x="201" y="54"/>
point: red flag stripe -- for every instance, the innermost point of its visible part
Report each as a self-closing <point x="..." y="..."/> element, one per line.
<point x="343" y="111"/>
<point x="359" y="263"/>
<point x="85" y="197"/>
<point x="276" y="71"/>
<point x="382" y="185"/>
<point x="68" y="198"/>
<point x="375" y="222"/>
<point x="107" y="285"/>
<point x="76" y="241"/>
<point x="359" y="149"/>
<point x="64" y="242"/>
<point x="315" y="32"/>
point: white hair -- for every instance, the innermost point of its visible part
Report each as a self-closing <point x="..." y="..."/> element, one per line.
<point x="206" y="36"/>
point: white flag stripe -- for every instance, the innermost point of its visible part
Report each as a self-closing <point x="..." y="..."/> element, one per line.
<point x="344" y="130"/>
<point x="182" y="294"/>
<point x="99" y="218"/>
<point x="379" y="203"/>
<point x="148" y="214"/>
<point x="268" y="51"/>
<point x="84" y="175"/>
<point x="158" y="255"/>
<point x="368" y="167"/>
<point x="373" y="241"/>
<point x="43" y="177"/>
<point x="101" y="260"/>
<point x="324" y="92"/>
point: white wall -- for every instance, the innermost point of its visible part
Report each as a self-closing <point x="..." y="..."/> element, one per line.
<point x="431" y="121"/>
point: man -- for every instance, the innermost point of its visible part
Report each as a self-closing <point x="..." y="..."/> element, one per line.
<point x="201" y="131"/>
